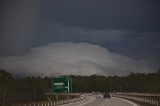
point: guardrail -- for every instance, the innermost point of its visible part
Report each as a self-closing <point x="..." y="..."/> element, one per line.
<point x="153" y="99"/>
<point x="50" y="102"/>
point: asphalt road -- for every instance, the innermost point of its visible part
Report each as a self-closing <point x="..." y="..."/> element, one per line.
<point x="93" y="101"/>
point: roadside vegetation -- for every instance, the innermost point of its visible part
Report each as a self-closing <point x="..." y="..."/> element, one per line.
<point x="34" y="88"/>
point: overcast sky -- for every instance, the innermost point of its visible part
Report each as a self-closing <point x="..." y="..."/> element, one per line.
<point x="85" y="37"/>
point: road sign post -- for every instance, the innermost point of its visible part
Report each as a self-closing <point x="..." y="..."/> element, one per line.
<point x="56" y="99"/>
<point x="62" y="85"/>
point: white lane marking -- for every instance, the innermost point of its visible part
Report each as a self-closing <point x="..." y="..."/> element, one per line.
<point x="134" y="104"/>
<point x="70" y="103"/>
<point x="87" y="102"/>
<point x="80" y="104"/>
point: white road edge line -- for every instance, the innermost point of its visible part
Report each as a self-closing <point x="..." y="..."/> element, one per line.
<point x="134" y="104"/>
<point x="80" y="104"/>
<point x="69" y="103"/>
<point x="87" y="102"/>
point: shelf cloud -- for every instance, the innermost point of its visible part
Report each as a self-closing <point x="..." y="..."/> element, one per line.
<point x="67" y="58"/>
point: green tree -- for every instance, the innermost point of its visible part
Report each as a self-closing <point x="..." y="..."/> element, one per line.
<point x="5" y="83"/>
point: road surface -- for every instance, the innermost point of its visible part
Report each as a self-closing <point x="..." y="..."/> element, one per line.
<point x="93" y="101"/>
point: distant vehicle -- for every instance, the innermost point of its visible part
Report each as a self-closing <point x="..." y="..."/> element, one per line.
<point x="99" y="95"/>
<point x="106" y="95"/>
<point x="90" y="94"/>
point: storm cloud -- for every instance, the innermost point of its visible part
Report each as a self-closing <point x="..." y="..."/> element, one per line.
<point x="45" y="37"/>
<point x="73" y="58"/>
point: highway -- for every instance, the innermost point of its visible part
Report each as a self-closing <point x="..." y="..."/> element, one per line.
<point x="93" y="101"/>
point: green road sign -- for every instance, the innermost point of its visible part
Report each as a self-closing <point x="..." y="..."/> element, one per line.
<point x="62" y="85"/>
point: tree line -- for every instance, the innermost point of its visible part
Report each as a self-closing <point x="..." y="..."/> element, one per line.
<point x="34" y="88"/>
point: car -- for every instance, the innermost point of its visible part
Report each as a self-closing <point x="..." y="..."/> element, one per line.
<point x="106" y="95"/>
<point x="99" y="95"/>
<point x="90" y="94"/>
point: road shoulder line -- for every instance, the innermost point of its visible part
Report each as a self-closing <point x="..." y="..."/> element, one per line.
<point x="87" y="102"/>
<point x="134" y="104"/>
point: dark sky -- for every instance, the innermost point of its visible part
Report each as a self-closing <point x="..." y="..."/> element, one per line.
<point x="128" y="28"/>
